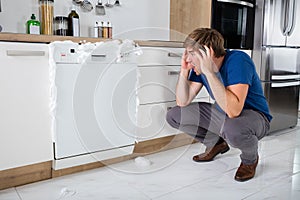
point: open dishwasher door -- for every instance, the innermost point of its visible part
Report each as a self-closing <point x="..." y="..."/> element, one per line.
<point x="95" y="103"/>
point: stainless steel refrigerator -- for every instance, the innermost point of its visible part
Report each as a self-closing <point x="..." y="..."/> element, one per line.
<point x="276" y="54"/>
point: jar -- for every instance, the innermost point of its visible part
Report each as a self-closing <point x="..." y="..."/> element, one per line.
<point x="60" y="25"/>
<point x="46" y="16"/>
<point x="104" y="30"/>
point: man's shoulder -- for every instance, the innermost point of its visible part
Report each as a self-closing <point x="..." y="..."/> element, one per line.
<point x="238" y="53"/>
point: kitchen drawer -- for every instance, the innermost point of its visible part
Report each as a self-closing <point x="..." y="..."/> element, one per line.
<point x="157" y="84"/>
<point x="151" y="120"/>
<point x="23" y="52"/>
<point x="160" y="56"/>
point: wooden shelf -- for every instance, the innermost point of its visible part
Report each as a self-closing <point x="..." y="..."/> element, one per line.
<point x="19" y="37"/>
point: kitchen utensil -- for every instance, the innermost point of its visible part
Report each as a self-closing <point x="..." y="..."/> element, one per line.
<point x="117" y="3"/>
<point x="100" y="10"/>
<point x="86" y="5"/>
<point x="108" y="4"/>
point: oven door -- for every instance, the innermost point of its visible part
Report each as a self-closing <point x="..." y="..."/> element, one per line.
<point x="234" y="19"/>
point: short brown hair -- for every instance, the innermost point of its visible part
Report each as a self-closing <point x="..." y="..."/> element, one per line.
<point x="208" y="37"/>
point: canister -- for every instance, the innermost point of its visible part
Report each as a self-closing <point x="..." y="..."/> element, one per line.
<point x="46" y="16"/>
<point x="61" y="25"/>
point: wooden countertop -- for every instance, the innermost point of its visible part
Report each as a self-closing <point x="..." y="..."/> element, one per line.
<point x="20" y="37"/>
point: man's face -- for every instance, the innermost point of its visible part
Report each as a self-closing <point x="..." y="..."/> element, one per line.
<point x="191" y="57"/>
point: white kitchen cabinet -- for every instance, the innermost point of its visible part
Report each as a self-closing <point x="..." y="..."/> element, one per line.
<point x="152" y="123"/>
<point x="25" y="128"/>
<point x="158" y="74"/>
<point x="160" y="56"/>
<point x="157" y="84"/>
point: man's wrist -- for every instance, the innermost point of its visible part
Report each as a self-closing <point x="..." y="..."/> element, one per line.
<point x="184" y="72"/>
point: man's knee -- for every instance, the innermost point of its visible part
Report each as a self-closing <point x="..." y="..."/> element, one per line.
<point x="173" y="117"/>
<point x="233" y="133"/>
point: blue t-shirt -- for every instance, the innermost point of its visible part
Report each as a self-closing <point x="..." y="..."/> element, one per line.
<point x="238" y="68"/>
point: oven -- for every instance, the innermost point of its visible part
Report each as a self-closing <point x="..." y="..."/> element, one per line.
<point x="234" y="19"/>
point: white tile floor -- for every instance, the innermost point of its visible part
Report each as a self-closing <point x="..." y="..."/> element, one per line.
<point x="173" y="175"/>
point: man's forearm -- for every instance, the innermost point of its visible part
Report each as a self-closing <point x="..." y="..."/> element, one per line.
<point x="218" y="90"/>
<point x="227" y="100"/>
<point x="182" y="88"/>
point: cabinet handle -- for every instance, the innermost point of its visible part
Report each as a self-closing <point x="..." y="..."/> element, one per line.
<point x="24" y="53"/>
<point x="239" y="2"/>
<point x="171" y="73"/>
<point x="174" y="55"/>
<point x="99" y="56"/>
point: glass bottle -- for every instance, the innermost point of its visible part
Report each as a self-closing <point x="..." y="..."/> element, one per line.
<point x="100" y="30"/>
<point x="104" y="30"/>
<point x="95" y="29"/>
<point x="109" y="27"/>
<point x="73" y="23"/>
<point x="33" y="26"/>
<point x="46" y="16"/>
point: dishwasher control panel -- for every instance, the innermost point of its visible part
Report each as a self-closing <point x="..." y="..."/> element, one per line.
<point x="66" y="54"/>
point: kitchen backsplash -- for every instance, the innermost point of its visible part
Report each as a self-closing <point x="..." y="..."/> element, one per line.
<point x="134" y="19"/>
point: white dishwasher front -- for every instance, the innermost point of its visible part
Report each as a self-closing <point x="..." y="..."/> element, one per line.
<point x="95" y="104"/>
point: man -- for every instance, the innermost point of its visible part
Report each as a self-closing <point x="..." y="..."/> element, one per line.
<point x="240" y="114"/>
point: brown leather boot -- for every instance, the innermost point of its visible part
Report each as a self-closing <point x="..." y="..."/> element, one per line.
<point x="210" y="153"/>
<point x="246" y="172"/>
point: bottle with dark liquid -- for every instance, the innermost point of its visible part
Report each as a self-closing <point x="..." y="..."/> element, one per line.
<point x="109" y="27"/>
<point x="73" y="23"/>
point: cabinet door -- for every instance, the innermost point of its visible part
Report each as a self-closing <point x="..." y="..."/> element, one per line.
<point x="24" y="110"/>
<point x="160" y="56"/>
<point x="157" y="84"/>
<point x="151" y="120"/>
<point x="187" y="15"/>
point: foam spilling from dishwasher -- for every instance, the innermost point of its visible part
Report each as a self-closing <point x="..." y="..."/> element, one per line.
<point x="142" y="162"/>
<point x="66" y="193"/>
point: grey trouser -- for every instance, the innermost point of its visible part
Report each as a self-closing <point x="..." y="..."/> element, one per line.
<point x="207" y="124"/>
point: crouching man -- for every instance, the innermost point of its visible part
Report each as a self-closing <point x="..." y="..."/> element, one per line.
<point x="240" y="115"/>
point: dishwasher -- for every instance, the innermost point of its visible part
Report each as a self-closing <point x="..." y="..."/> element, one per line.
<point x="93" y="102"/>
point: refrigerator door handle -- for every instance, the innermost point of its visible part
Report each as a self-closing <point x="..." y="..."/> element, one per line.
<point x="286" y="84"/>
<point x="285" y="77"/>
<point x="284" y="16"/>
<point x="274" y="22"/>
<point x="290" y="17"/>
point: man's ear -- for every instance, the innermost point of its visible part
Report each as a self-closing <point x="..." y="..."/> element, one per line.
<point x="211" y="51"/>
